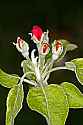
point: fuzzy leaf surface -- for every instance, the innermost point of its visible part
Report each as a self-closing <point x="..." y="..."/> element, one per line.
<point x="74" y="95"/>
<point x="55" y="110"/>
<point x="8" y="80"/>
<point x="14" y="103"/>
<point x="76" y="65"/>
<point x="28" y="68"/>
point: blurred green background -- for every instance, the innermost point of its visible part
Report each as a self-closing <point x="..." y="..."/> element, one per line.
<point x="65" y="18"/>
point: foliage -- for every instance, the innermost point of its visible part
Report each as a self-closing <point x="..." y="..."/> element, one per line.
<point x="52" y="101"/>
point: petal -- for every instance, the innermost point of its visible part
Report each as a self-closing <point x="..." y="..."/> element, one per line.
<point x="57" y="46"/>
<point x="20" y="42"/>
<point x="37" y="32"/>
<point x="22" y="47"/>
<point x="57" y="49"/>
<point x="44" y="49"/>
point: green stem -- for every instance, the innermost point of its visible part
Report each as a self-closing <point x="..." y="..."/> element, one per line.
<point x="30" y="82"/>
<point x="49" y="66"/>
<point x="46" y="75"/>
<point x="26" y="80"/>
<point x="57" y="68"/>
<point x="46" y="100"/>
<point x="39" y="78"/>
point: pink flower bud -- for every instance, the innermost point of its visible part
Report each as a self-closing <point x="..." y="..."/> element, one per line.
<point x="22" y="47"/>
<point x="44" y="49"/>
<point x="20" y="42"/>
<point x="58" y="45"/>
<point x="37" y="32"/>
<point x="57" y="49"/>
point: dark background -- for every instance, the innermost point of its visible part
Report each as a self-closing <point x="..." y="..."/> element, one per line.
<point x="65" y="18"/>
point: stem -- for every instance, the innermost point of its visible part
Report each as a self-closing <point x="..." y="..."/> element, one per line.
<point x="22" y="78"/>
<point x="38" y="75"/>
<point x="49" y="66"/>
<point x="26" y="80"/>
<point x="57" y="68"/>
<point x="52" y="70"/>
<point x="30" y="82"/>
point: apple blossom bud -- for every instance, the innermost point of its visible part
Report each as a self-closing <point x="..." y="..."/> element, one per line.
<point x="57" y="49"/>
<point x="22" y="47"/>
<point x="37" y="32"/>
<point x="44" y="48"/>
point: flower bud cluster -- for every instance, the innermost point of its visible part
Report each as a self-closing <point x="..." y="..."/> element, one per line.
<point x="42" y="41"/>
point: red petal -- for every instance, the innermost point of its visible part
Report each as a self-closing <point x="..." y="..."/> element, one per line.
<point x="58" y="44"/>
<point x="37" y="31"/>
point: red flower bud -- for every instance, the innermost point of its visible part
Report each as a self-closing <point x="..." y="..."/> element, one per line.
<point x="37" y="32"/>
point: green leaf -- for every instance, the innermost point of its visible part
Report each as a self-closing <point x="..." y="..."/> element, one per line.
<point x="75" y="97"/>
<point x="76" y="65"/>
<point x="70" y="66"/>
<point x="27" y="65"/>
<point x="71" y="47"/>
<point x="79" y="69"/>
<point x="8" y="80"/>
<point x="53" y="105"/>
<point x="28" y="68"/>
<point x="14" y="103"/>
